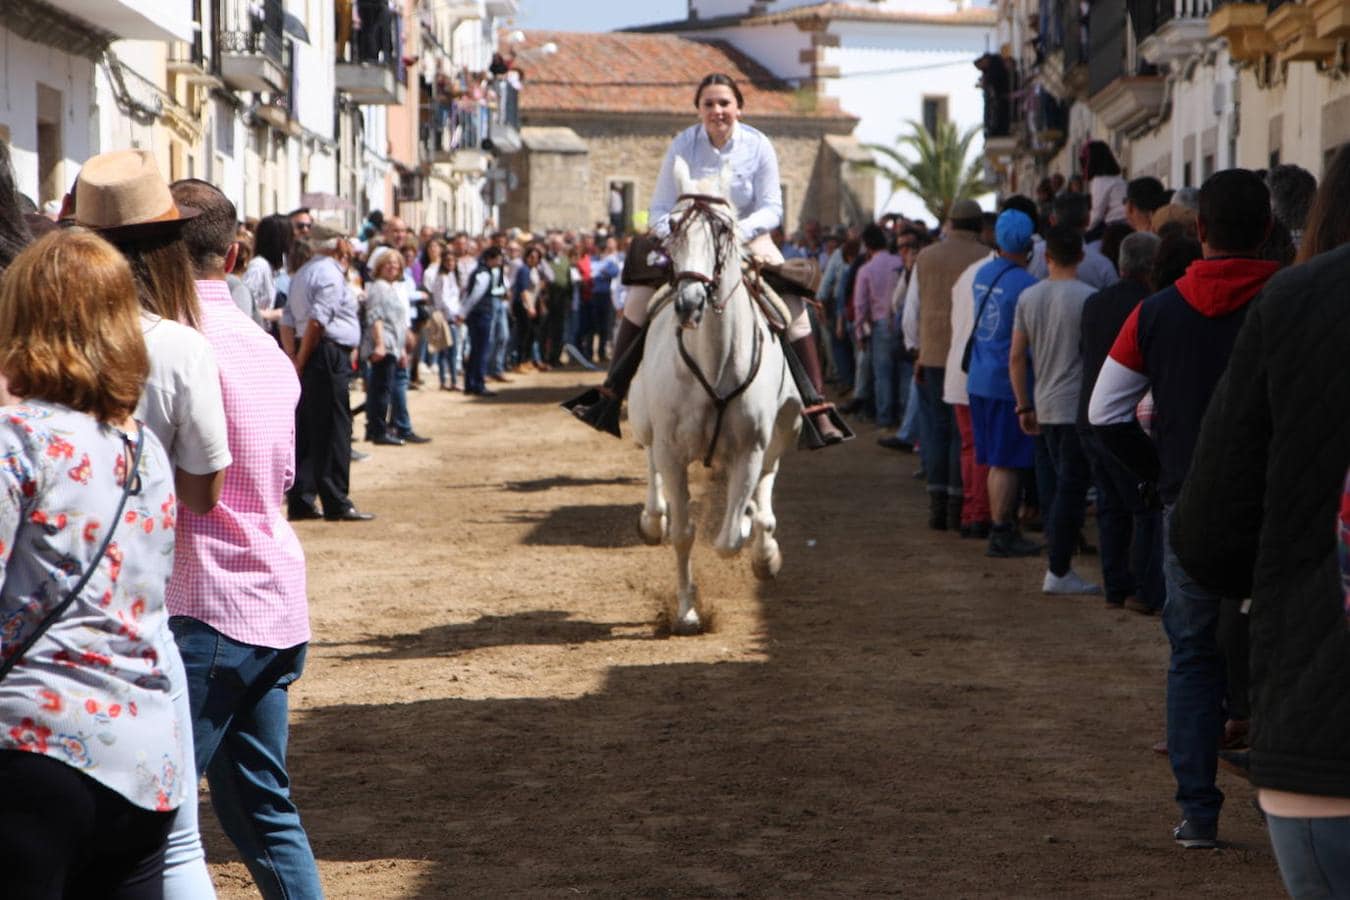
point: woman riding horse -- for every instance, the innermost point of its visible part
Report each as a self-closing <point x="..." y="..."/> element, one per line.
<point x="719" y="141"/>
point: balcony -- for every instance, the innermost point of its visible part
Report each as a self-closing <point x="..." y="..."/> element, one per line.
<point x="1182" y="29"/>
<point x="504" y="123"/>
<point x="1293" y="30"/>
<point x="502" y="7"/>
<point x="253" y="50"/>
<point x="1129" y="102"/>
<point x="143" y="20"/>
<point x="1243" y="25"/>
<point x="1064" y="46"/>
<point x="1332" y="19"/>
<point x="453" y="133"/>
<point x="372" y="71"/>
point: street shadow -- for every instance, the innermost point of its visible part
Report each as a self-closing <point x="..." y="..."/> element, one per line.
<point x="553" y="395"/>
<point x="541" y="626"/>
<point x="609" y="525"/>
<point x="567" y="481"/>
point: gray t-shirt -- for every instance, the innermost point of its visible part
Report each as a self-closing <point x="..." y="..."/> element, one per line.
<point x="1050" y="314"/>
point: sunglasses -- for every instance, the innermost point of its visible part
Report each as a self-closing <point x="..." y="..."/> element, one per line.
<point x="303" y="226"/>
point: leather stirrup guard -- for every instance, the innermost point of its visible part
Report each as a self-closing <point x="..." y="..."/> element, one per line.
<point x="600" y="408"/>
<point x="812" y="403"/>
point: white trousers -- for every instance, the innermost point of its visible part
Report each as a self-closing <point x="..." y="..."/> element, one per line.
<point x="636" y="296"/>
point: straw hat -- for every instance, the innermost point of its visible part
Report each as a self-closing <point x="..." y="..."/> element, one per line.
<point x="122" y="194"/>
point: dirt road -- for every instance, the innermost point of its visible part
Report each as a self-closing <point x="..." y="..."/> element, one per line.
<point x="490" y="710"/>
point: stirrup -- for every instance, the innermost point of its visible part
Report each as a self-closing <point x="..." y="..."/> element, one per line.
<point x="597" y="409"/>
<point x="811" y="438"/>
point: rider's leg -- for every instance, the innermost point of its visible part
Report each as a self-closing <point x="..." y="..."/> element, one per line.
<point x="804" y="345"/>
<point x="621" y="367"/>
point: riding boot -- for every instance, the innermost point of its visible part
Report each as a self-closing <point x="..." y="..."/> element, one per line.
<point x="819" y="412"/>
<point x="599" y="407"/>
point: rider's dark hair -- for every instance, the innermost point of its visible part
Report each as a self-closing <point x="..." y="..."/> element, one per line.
<point x="718" y="78"/>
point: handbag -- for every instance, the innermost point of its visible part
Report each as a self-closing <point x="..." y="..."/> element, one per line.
<point x="970" y="341"/>
<point x="437" y="332"/>
<point x="50" y="619"/>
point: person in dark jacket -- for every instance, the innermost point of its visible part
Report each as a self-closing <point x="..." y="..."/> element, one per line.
<point x="1177" y="342"/>
<point x="1131" y="533"/>
<point x="1256" y="519"/>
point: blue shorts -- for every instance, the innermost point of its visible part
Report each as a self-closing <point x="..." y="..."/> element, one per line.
<point x="999" y="440"/>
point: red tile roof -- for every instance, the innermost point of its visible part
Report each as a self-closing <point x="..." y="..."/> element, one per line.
<point x="648" y="73"/>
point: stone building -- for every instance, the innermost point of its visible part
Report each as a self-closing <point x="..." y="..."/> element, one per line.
<point x="598" y="115"/>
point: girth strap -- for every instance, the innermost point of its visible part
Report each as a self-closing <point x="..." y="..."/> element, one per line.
<point x="721" y="403"/>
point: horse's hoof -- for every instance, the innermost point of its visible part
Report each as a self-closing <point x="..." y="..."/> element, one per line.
<point x="653" y="529"/>
<point x="767" y="568"/>
<point x="687" y="625"/>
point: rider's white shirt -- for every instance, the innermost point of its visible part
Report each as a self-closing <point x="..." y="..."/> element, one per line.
<point x="755" y="192"/>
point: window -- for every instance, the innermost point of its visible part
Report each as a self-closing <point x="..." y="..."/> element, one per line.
<point x="934" y="113"/>
<point x="1207" y="166"/>
<point x="1274" y="158"/>
<point x="1186" y="175"/>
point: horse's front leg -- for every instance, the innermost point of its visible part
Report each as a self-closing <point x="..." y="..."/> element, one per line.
<point x="765" y="557"/>
<point x="675" y="477"/>
<point x="741" y="480"/>
<point x="654" y="523"/>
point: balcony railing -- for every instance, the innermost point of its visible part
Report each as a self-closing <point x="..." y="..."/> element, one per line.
<point x="504" y="129"/>
<point x="452" y="126"/>
<point x="252" y="47"/>
<point x="370" y="67"/>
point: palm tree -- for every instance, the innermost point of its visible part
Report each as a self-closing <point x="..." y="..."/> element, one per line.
<point x="938" y="173"/>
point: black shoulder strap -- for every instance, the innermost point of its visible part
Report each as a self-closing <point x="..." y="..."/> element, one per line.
<point x="979" y="313"/>
<point x="133" y="475"/>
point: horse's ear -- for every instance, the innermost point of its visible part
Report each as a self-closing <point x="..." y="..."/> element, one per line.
<point x="682" y="180"/>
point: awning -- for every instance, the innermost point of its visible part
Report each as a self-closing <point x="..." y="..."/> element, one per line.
<point x="324" y="201"/>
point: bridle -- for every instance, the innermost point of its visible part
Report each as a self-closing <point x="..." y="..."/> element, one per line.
<point x="703" y="205"/>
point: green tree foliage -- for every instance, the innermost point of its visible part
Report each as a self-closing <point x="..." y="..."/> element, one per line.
<point x="932" y="167"/>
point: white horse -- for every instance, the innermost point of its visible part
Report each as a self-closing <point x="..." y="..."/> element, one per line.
<point x="711" y="341"/>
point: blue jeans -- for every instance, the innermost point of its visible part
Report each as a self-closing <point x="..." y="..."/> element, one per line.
<point x="1195" y="687"/>
<point x="399" y="420"/>
<point x="1130" y="533"/>
<point x="1064" y="519"/>
<point x="939" y="440"/>
<point x="1313" y="855"/>
<point x="885" y="353"/>
<point x="908" y="391"/>
<point x="379" y="393"/>
<point x="500" y="338"/>
<point x="239" y="703"/>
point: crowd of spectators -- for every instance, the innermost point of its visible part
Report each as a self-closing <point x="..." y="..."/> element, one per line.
<point x="1060" y="356"/>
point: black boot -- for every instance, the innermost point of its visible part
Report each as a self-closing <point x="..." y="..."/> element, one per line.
<point x="599" y="407"/>
<point x="937" y="511"/>
<point x="820" y="415"/>
<point x="954" y="504"/>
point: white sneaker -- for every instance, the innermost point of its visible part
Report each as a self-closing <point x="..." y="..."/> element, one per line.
<point x="1068" y="583"/>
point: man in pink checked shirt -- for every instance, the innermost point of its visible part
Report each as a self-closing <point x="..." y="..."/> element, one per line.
<point x="877" y="323"/>
<point x="237" y="594"/>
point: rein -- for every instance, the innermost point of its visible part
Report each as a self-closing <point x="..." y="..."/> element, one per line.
<point x="703" y="205"/>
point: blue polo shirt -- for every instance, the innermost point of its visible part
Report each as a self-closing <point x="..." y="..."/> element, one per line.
<point x="994" y="327"/>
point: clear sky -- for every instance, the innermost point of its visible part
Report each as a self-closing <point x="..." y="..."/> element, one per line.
<point x="597" y="15"/>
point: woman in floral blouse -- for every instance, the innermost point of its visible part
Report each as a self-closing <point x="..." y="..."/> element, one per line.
<point x="91" y="756"/>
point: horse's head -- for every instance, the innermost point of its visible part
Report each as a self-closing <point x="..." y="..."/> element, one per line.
<point x="702" y="246"/>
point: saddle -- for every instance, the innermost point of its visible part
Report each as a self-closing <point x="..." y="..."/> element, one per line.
<point x="800" y="276"/>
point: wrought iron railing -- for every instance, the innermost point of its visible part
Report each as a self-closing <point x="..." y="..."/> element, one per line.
<point x="378" y="42"/>
<point x="256" y="32"/>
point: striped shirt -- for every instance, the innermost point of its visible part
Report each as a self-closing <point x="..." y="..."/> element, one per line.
<point x="240" y="568"/>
